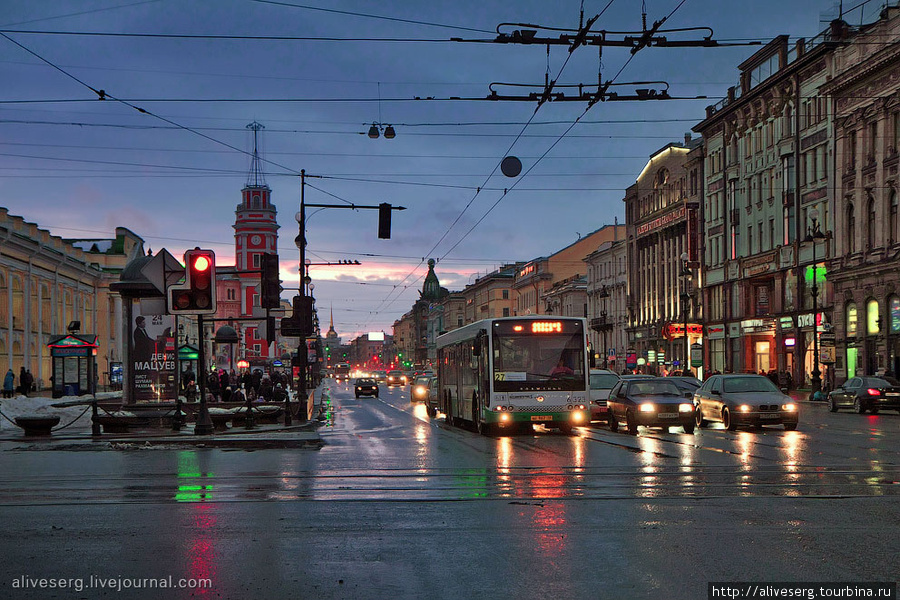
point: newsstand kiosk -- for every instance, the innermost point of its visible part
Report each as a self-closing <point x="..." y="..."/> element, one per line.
<point x="74" y="364"/>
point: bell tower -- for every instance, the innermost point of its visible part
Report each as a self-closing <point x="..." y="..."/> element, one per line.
<point x="255" y="225"/>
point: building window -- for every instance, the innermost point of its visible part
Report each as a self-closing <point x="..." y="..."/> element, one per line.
<point x="256" y="261"/>
<point x="506" y="312"/>
<point x="851" y="319"/>
<point x="873" y="318"/>
<point x="851" y="228"/>
<point x="894" y="308"/>
<point x="505" y="294"/>
<point x="851" y="151"/>
<point x="870" y="224"/>
<point x="892" y="234"/>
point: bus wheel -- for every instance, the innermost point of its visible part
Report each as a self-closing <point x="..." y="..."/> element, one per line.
<point x="484" y="428"/>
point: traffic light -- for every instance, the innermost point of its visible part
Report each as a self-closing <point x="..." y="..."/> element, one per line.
<point x="197" y="295"/>
<point x="384" y="221"/>
<point x="300" y="323"/>
<point x="270" y="282"/>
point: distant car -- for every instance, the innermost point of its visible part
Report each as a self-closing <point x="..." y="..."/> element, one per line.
<point x="396" y="378"/>
<point x="744" y="400"/>
<point x="379" y="376"/>
<point x="366" y="387"/>
<point x="652" y="402"/>
<point x="602" y="382"/>
<point x="866" y="394"/>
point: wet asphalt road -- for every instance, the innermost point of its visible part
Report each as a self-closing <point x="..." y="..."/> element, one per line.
<point x="397" y="505"/>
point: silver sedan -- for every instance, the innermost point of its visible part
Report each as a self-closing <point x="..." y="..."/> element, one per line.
<point x="751" y="400"/>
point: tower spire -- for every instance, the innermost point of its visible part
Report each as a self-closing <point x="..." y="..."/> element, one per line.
<point x="255" y="177"/>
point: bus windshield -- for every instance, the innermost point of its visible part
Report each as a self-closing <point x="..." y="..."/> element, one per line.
<point x="528" y="361"/>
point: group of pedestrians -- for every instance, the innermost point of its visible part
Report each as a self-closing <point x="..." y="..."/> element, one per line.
<point x="26" y="383"/>
<point x="224" y="386"/>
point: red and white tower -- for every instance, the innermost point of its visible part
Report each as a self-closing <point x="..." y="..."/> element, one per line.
<point x="255" y="233"/>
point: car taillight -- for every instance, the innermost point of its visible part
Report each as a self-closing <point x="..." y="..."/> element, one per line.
<point x="874" y="391"/>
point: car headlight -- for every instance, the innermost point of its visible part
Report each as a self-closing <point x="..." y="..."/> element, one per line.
<point x="744" y="408"/>
<point x="647" y="407"/>
<point x="789" y="407"/>
<point x="685" y="407"/>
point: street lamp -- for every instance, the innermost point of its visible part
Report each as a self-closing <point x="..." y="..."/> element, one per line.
<point x="686" y="307"/>
<point x="813" y="233"/>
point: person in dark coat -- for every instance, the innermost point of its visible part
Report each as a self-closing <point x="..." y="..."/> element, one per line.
<point x="223" y="380"/>
<point x="22" y="379"/>
<point x="212" y="385"/>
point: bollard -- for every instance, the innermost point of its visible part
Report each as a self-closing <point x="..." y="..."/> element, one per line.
<point x="95" y="420"/>
<point x="178" y="419"/>
<point x="249" y="422"/>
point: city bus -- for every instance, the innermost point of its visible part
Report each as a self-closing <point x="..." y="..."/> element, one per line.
<point x="341" y="372"/>
<point x="504" y="375"/>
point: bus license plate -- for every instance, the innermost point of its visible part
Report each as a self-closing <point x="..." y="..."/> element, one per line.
<point x="541" y="418"/>
<point x="668" y="415"/>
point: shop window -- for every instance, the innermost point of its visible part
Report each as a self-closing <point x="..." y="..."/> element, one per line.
<point x="894" y="308"/>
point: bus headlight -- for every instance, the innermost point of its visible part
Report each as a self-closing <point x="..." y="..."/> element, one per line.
<point x="505" y="417"/>
<point x="647" y="407"/>
<point x="578" y="416"/>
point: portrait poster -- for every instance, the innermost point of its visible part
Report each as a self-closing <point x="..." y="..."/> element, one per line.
<point x="153" y="355"/>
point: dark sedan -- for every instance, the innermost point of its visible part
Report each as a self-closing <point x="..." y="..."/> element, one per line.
<point x="652" y="402"/>
<point x="866" y="394"/>
<point x="366" y="387"/>
<point x="744" y="400"/>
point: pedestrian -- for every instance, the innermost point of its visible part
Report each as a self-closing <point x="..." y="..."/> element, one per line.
<point x="22" y="378"/>
<point x="27" y="382"/>
<point x="9" y="383"/>
<point x="212" y="384"/>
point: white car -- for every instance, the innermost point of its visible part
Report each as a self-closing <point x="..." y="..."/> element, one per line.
<point x="602" y="382"/>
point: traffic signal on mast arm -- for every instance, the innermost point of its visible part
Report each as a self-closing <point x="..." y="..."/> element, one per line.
<point x="197" y="295"/>
<point x="270" y="282"/>
<point x="384" y="221"/>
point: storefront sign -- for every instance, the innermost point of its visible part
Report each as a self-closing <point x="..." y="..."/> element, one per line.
<point x="676" y="330"/>
<point x="894" y="309"/>
<point x="758" y="325"/>
<point x="715" y="332"/>
<point x="661" y="221"/>
<point x="786" y="323"/>
<point x="808" y="320"/>
<point x="631" y="359"/>
<point x="696" y="355"/>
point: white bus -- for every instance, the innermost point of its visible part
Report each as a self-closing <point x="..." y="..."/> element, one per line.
<point x="506" y="374"/>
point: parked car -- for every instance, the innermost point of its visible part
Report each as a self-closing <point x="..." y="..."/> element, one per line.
<point x="602" y="382"/>
<point x="744" y="400"/>
<point x="366" y="387"/>
<point x="866" y="394"/>
<point x="396" y="378"/>
<point x="652" y="402"/>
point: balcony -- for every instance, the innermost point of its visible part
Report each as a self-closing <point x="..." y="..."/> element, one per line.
<point x="602" y="323"/>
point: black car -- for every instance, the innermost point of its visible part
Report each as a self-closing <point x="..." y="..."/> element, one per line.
<point x="652" y="402"/>
<point x="866" y="394"/>
<point x="366" y="387"/>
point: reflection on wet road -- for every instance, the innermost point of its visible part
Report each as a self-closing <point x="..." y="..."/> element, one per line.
<point x="388" y="449"/>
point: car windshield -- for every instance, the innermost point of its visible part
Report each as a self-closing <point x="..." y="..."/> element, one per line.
<point x="655" y="388"/>
<point x="422" y="380"/>
<point x="603" y="381"/>
<point x="364" y="382"/>
<point x="686" y="384"/>
<point x="749" y="384"/>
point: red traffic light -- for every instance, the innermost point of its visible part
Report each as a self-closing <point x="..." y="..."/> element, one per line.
<point x="201" y="263"/>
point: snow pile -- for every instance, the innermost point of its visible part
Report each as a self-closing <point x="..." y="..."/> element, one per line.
<point x="40" y="406"/>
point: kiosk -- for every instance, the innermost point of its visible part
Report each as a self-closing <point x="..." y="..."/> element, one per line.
<point x="74" y="364"/>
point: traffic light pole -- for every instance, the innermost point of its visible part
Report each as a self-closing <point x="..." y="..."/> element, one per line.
<point x="301" y="347"/>
<point x="204" y="424"/>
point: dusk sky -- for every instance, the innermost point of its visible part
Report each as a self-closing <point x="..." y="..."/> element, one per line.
<point x="204" y="69"/>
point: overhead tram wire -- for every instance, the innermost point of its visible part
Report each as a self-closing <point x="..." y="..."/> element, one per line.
<point x="387" y="301"/>
<point x="102" y="96"/>
<point x="589" y="106"/>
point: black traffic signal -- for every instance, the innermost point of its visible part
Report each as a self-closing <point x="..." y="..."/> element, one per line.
<point x="384" y="221"/>
<point x="270" y="282"/>
<point x="197" y="295"/>
<point x="300" y="324"/>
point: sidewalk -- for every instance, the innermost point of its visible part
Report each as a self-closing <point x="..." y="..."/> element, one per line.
<point x="77" y="433"/>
